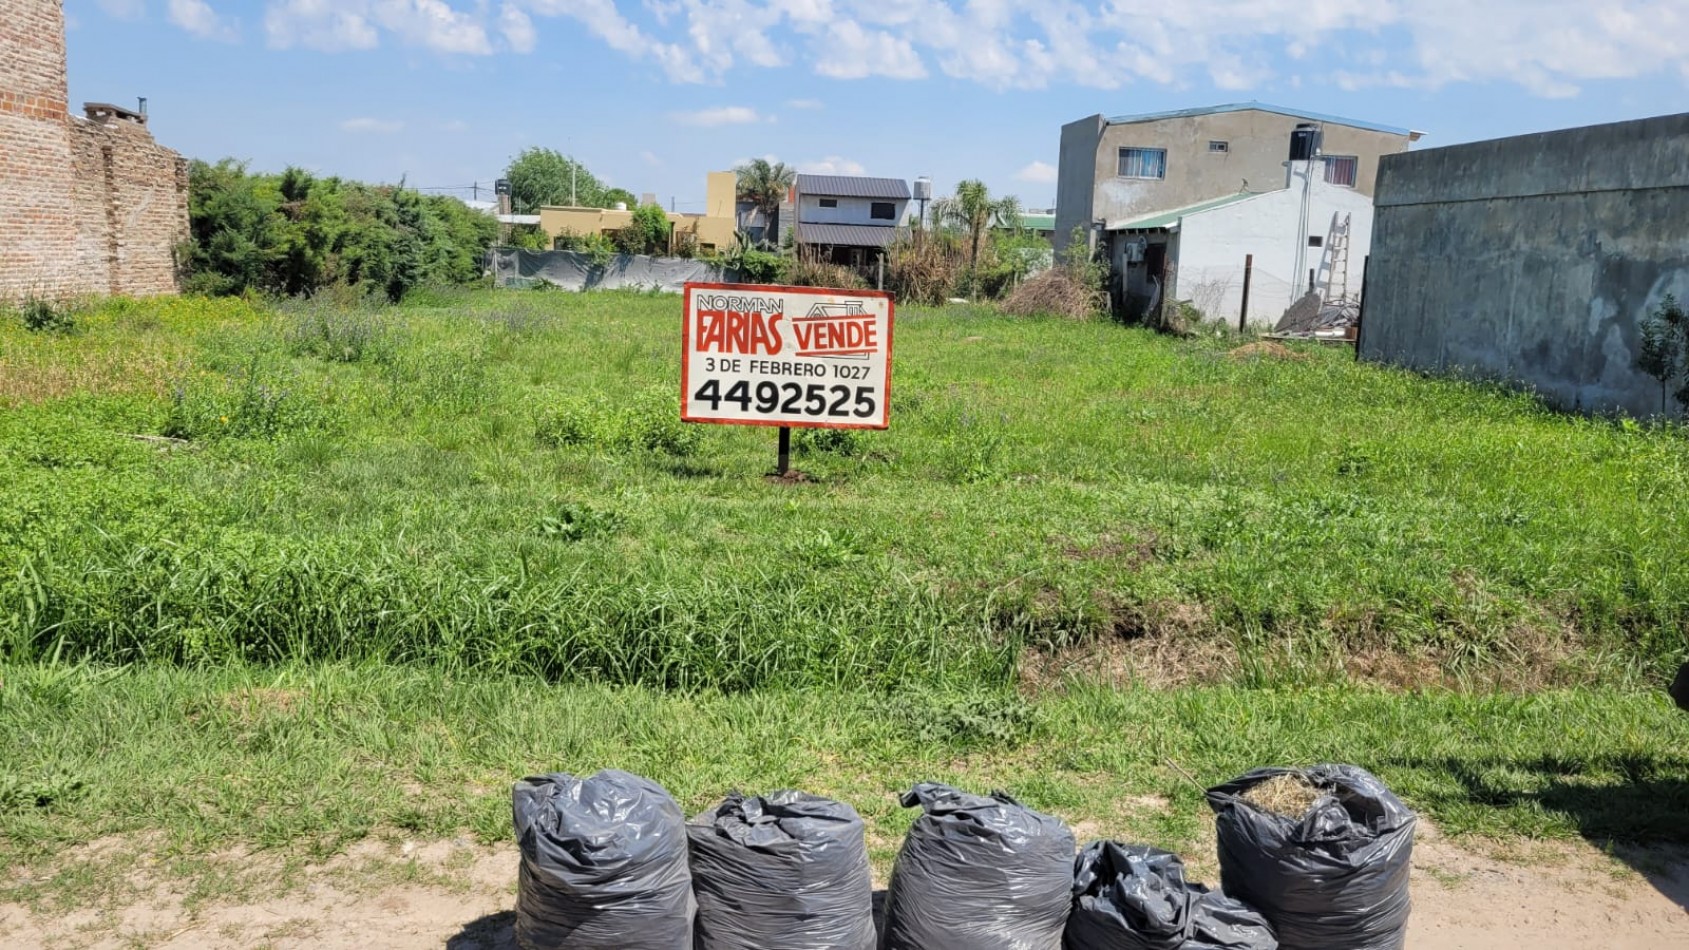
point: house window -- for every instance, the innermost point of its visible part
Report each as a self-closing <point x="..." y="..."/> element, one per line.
<point x="1143" y="163"/>
<point x="1219" y="147"/>
<point x="883" y="211"/>
<point x="1342" y="170"/>
<point x="829" y="202"/>
<point x="1315" y="240"/>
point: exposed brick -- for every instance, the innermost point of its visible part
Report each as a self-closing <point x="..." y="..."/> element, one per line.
<point x="85" y="206"/>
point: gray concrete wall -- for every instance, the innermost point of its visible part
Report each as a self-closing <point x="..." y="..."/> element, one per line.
<point x="1533" y="259"/>
<point x="1075" y="184"/>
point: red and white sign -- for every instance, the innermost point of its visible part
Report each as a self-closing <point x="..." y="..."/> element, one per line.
<point x="786" y="356"/>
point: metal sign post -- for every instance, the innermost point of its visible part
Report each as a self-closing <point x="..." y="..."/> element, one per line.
<point x="783" y="464"/>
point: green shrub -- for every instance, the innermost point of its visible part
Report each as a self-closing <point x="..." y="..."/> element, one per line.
<point x="43" y="315"/>
<point x="576" y="521"/>
<point x="575" y="421"/>
<point x="647" y="233"/>
<point x="652" y="422"/>
<point x="292" y="234"/>
<point x="845" y="442"/>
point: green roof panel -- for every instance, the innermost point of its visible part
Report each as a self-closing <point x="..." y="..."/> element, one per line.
<point x="1166" y="219"/>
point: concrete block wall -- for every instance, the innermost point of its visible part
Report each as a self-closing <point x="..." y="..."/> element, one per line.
<point x="86" y="206"/>
<point x="1533" y="259"/>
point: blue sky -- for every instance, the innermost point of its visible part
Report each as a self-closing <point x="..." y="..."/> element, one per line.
<point x="651" y="94"/>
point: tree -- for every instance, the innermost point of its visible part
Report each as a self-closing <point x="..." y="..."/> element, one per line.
<point x="973" y="211"/>
<point x="543" y="176"/>
<point x="647" y="232"/>
<point x="1665" y="348"/>
<point x="766" y="184"/>
<point x="620" y="196"/>
<point x="295" y="233"/>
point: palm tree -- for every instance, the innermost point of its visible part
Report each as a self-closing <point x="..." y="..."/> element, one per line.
<point x="766" y="184"/>
<point x="973" y="210"/>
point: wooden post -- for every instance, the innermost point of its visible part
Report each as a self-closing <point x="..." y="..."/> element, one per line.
<point x="1248" y="275"/>
<point x="784" y="463"/>
<point x="880" y="281"/>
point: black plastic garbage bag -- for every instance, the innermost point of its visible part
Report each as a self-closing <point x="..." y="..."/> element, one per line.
<point x="978" y="873"/>
<point x="1136" y="898"/>
<point x="1335" y="879"/>
<point x="604" y="865"/>
<point x="788" y="870"/>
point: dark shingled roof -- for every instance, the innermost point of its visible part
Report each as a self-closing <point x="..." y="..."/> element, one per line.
<point x="853" y="186"/>
<point x="846" y="235"/>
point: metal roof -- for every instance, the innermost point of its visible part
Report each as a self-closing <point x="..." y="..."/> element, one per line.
<point x="1166" y="219"/>
<point x="846" y="235"/>
<point x="1263" y="107"/>
<point x="853" y="186"/>
<point x="1038" y="222"/>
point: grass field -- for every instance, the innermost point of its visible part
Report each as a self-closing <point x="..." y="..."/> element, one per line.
<point x="308" y="759"/>
<point x="288" y="576"/>
<point x="498" y="483"/>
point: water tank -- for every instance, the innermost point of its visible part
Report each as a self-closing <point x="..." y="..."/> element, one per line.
<point x="1305" y="142"/>
<point x="923" y="189"/>
<point x="621" y="206"/>
<point x="501" y="187"/>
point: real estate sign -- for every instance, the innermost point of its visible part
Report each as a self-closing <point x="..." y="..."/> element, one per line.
<point x="786" y="356"/>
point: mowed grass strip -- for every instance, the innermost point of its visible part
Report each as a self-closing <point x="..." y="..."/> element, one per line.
<point x="309" y="759"/>
<point x="498" y="483"/>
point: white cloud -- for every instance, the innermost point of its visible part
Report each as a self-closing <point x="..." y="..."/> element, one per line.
<point x="1550" y="47"/>
<point x="1038" y="173"/>
<point x="373" y="126"/>
<point x="725" y="115"/>
<point x="832" y="165"/>
<point x="650" y="158"/>
<point x="517" y="27"/>
<point x="603" y="20"/>
<point x="197" y="17"/>
<point x="336" y="25"/>
<point x="851" y="52"/>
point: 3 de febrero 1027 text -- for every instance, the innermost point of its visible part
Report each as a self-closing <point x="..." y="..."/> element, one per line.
<point x="782" y="368"/>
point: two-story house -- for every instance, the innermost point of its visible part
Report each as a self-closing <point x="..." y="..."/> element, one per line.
<point x="849" y="219"/>
<point x="1128" y="183"/>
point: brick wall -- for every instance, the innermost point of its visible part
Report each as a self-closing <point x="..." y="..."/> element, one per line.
<point x="86" y="206"/>
<point x="37" y="235"/>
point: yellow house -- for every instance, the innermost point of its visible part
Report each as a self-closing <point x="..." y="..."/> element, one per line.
<point x="713" y="230"/>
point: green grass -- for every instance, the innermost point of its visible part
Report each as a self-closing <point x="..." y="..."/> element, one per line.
<point x="307" y="759"/>
<point x="496" y="483"/>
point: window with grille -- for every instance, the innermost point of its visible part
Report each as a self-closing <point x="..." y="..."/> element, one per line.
<point x="829" y="202"/>
<point x="1143" y="163"/>
<point x="1342" y="170"/>
<point x="883" y="211"/>
<point x="1218" y="146"/>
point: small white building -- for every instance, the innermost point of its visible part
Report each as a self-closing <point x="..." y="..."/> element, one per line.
<point x="1318" y="223"/>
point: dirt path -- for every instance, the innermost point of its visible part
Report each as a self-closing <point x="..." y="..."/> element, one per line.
<point x="458" y="896"/>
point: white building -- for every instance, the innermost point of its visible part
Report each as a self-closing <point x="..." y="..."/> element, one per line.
<point x="1317" y="223"/>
